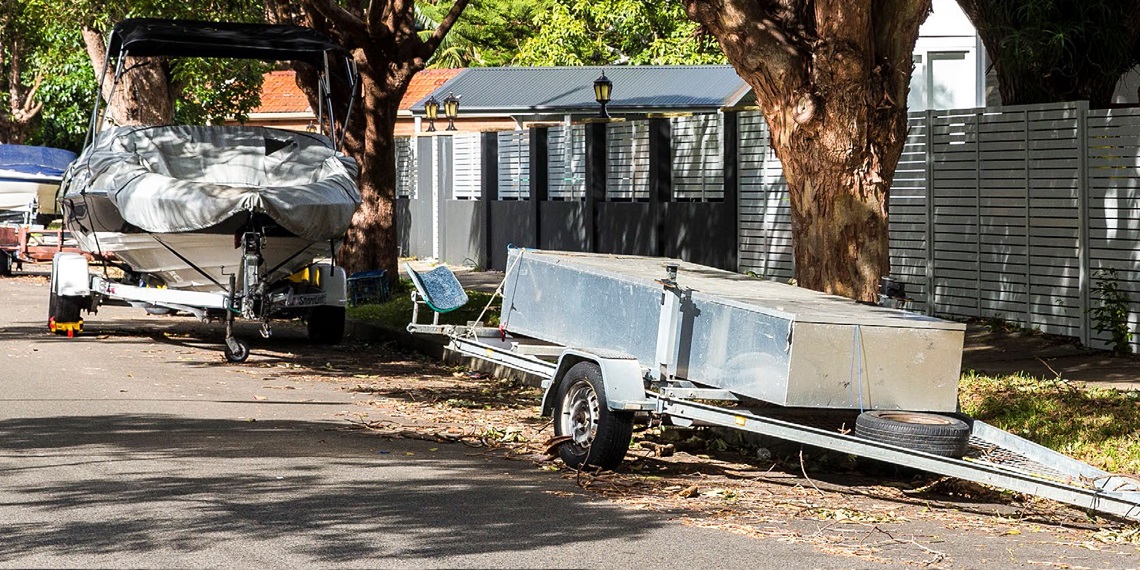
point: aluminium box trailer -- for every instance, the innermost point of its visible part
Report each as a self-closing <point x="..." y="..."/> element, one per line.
<point x="611" y="336"/>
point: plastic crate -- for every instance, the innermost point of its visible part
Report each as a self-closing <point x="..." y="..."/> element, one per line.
<point x="368" y="287"/>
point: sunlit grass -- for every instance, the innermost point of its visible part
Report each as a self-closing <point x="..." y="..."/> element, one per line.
<point x="397" y="312"/>
<point x="1099" y="426"/>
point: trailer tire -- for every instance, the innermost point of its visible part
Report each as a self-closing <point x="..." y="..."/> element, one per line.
<point x="932" y="433"/>
<point x="599" y="436"/>
<point x="5" y="264"/>
<point x="326" y="324"/>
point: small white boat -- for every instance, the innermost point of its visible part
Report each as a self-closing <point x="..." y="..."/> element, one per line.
<point x="29" y="179"/>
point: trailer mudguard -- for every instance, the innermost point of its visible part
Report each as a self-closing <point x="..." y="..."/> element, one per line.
<point x="69" y="276"/>
<point x="622" y="376"/>
<point x="334" y="282"/>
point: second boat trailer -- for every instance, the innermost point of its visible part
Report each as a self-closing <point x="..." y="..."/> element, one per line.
<point x="552" y="303"/>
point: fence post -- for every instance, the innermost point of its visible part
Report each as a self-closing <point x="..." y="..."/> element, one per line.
<point x="595" y="179"/>
<point x="930" y="288"/>
<point x="660" y="179"/>
<point x="539" y="189"/>
<point x="730" y="150"/>
<point x="1028" y="225"/>
<point x="489" y="193"/>
<point x="1083" y="218"/>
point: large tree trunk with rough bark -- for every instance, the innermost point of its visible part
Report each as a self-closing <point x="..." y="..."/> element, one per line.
<point x="372" y="240"/>
<point x="388" y="50"/>
<point x="831" y="78"/>
<point x="145" y="94"/>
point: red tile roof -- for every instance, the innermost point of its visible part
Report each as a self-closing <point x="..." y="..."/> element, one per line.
<point x="424" y="83"/>
<point x="279" y="92"/>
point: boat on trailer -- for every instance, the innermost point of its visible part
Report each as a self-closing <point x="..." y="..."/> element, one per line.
<point x="218" y="221"/>
<point x="29" y="179"/>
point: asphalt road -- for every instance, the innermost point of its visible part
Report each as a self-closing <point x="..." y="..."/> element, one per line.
<point x="135" y="445"/>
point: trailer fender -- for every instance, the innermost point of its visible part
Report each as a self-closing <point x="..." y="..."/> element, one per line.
<point x="622" y="377"/>
<point x="69" y="275"/>
<point x="334" y="282"/>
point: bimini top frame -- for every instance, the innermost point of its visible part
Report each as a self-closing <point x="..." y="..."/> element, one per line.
<point x="152" y="37"/>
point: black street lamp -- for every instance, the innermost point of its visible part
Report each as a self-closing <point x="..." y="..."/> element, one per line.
<point x="603" y="88"/>
<point x="451" y="110"/>
<point x="431" y="110"/>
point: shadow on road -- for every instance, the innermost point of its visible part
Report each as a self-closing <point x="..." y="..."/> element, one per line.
<point x="156" y="481"/>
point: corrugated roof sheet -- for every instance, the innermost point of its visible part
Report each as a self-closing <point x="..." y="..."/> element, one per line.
<point x="522" y="89"/>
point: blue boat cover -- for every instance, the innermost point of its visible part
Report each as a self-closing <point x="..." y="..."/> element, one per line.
<point x="35" y="160"/>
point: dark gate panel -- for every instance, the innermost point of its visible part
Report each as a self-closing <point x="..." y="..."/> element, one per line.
<point x="512" y="223"/>
<point x="625" y="227"/>
<point x="701" y="232"/>
<point x="563" y="226"/>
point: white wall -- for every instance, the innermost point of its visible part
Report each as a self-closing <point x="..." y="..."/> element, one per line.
<point x="948" y="62"/>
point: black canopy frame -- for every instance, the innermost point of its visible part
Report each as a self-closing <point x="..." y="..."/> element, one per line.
<point x="155" y="37"/>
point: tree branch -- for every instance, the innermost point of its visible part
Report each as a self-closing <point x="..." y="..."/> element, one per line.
<point x="761" y="38"/>
<point x="352" y="29"/>
<point x="443" y="28"/>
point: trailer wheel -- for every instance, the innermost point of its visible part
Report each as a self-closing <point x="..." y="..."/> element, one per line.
<point x="933" y="433"/>
<point x="326" y="324"/>
<point x="600" y="436"/>
<point x="235" y="350"/>
<point x="5" y="264"/>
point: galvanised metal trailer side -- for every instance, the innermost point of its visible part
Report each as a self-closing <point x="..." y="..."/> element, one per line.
<point x="699" y="345"/>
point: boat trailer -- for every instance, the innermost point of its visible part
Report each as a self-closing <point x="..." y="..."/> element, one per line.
<point x="319" y="293"/>
<point x="613" y="336"/>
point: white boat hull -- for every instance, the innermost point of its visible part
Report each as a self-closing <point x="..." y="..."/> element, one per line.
<point x="201" y="261"/>
<point x="17" y="194"/>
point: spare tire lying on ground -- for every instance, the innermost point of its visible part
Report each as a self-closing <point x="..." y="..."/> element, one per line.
<point x="931" y="433"/>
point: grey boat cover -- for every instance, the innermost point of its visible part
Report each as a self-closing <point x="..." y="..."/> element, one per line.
<point x="183" y="178"/>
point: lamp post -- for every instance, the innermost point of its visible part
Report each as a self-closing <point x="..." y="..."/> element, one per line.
<point x="431" y="110"/>
<point x="451" y="110"/>
<point x="603" y="88"/>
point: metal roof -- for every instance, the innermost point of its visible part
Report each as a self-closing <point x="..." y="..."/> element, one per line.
<point x="519" y="90"/>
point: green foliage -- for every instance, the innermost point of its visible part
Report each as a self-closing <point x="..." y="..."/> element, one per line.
<point x="1111" y="314"/>
<point x="583" y="32"/>
<point x="1057" y="50"/>
<point x="67" y="90"/>
<point x="208" y="90"/>
<point x="1096" y="425"/>
<point x="489" y="33"/>
<point x="216" y="100"/>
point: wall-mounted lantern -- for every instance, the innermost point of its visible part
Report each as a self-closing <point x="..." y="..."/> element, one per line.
<point x="431" y="110"/>
<point x="603" y="89"/>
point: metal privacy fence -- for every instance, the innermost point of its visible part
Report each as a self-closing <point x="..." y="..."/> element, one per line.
<point x="1011" y="213"/>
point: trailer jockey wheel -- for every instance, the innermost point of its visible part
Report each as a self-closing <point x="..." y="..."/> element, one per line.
<point x="599" y="436"/>
<point x="933" y="433"/>
<point x="236" y="350"/>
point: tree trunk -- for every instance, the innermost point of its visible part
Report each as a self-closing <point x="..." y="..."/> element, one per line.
<point x="831" y="77"/>
<point x="371" y="241"/>
<point x="144" y="95"/>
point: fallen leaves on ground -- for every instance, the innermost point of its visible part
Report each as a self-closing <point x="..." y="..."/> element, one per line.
<point x="697" y="477"/>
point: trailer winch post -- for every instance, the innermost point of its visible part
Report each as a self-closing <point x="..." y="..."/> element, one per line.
<point x="667" y="325"/>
